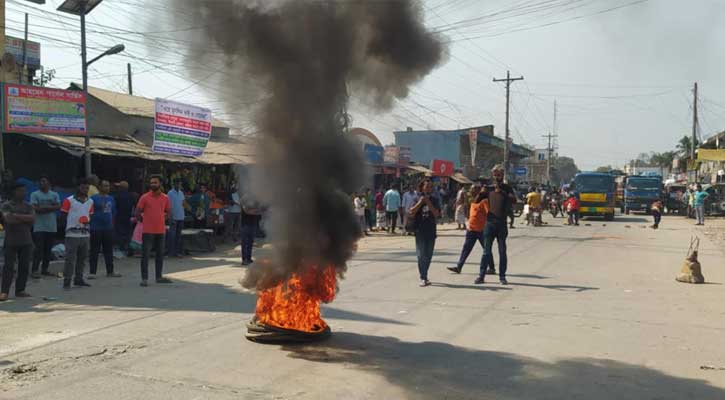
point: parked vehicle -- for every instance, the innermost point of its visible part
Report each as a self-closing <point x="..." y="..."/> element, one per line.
<point x="715" y="202"/>
<point x="676" y="201"/>
<point x="640" y="192"/>
<point x="596" y="192"/>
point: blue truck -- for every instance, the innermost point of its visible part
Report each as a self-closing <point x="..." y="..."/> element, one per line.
<point x="640" y="192"/>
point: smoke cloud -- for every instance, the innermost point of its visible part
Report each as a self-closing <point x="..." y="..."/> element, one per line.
<point x="296" y="62"/>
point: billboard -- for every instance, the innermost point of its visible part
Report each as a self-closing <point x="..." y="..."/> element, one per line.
<point x="373" y="154"/>
<point x="442" y="168"/>
<point x="14" y="46"/>
<point x="392" y="154"/>
<point x="473" y="140"/>
<point x="31" y="109"/>
<point x="404" y="155"/>
<point x="181" y="129"/>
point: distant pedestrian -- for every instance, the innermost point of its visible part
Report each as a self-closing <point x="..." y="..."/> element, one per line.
<point x="476" y="222"/>
<point x="500" y="200"/>
<point x="392" y="202"/>
<point x="177" y="200"/>
<point x="46" y="203"/>
<point x="153" y="210"/>
<point x="125" y="203"/>
<point x="359" y="205"/>
<point x="369" y="221"/>
<point x="232" y="218"/>
<point x="657" y="208"/>
<point x="425" y="212"/>
<point x="77" y="211"/>
<point x="571" y="205"/>
<point x="251" y="214"/>
<point x="104" y="212"/>
<point x="699" y="202"/>
<point x="461" y="205"/>
<point x="409" y="199"/>
<point x="380" y="211"/>
<point x="18" y="217"/>
<point x="93" y="183"/>
<point x="200" y="203"/>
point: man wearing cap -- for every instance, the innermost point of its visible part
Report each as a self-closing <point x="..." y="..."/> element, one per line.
<point x="18" y="217"/>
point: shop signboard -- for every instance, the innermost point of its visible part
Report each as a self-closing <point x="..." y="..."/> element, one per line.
<point x="14" y="46"/>
<point x="181" y="129"/>
<point x="31" y="109"/>
<point x="392" y="155"/>
<point x="442" y="167"/>
<point x="520" y="171"/>
<point x="373" y="154"/>
<point x="405" y="153"/>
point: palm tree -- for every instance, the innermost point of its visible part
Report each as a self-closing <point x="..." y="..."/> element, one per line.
<point x="684" y="147"/>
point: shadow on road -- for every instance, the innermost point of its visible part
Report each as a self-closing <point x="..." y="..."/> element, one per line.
<point x="434" y="370"/>
<point x="572" y="288"/>
<point x="475" y="287"/>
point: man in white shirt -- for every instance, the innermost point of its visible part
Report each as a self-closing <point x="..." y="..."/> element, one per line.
<point x="409" y="199"/>
<point x="232" y="218"/>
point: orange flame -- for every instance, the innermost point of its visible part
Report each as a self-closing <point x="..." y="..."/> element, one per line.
<point x="295" y="304"/>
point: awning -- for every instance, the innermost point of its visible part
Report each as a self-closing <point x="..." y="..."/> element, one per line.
<point x="460" y="178"/>
<point x="216" y="153"/>
<point x="418" y="169"/>
<point x="711" y="155"/>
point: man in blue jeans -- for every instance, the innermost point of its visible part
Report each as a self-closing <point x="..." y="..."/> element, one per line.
<point x="500" y="200"/>
<point x="250" y="219"/>
<point x="177" y="198"/>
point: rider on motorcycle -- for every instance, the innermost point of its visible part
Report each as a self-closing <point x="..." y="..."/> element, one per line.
<point x="533" y="199"/>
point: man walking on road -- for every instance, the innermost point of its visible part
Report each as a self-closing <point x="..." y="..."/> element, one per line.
<point x="45" y="202"/>
<point x="476" y="222"/>
<point x="104" y="211"/>
<point x="699" y="202"/>
<point x="500" y="200"/>
<point x="409" y="199"/>
<point x="153" y="210"/>
<point x="77" y="211"/>
<point x="18" y="218"/>
<point x="392" y="204"/>
<point x="177" y="199"/>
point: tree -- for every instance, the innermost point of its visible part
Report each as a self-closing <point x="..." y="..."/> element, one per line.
<point x="684" y="147"/>
<point x="564" y="170"/>
<point x="605" y="168"/>
<point x="663" y="160"/>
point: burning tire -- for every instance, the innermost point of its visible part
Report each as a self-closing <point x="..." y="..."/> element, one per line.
<point x="260" y="333"/>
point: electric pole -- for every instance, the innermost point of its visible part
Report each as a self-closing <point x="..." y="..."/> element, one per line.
<point x="130" y="79"/>
<point x="694" y="124"/>
<point x="549" y="154"/>
<point x="508" y="81"/>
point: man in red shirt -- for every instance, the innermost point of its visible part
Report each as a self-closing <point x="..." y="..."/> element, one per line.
<point x="153" y="211"/>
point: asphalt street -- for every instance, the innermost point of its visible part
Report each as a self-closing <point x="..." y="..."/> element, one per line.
<point x="591" y="312"/>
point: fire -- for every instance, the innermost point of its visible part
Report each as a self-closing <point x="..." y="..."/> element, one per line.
<point x="295" y="304"/>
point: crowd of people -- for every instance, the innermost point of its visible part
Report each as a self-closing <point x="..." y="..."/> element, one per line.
<point x="93" y="221"/>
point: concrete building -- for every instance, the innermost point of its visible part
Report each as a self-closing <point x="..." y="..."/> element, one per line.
<point x="455" y="146"/>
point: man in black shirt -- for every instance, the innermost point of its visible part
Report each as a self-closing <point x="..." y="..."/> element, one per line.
<point x="18" y="217"/>
<point x="500" y="201"/>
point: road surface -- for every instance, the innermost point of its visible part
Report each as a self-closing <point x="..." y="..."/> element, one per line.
<point x="592" y="312"/>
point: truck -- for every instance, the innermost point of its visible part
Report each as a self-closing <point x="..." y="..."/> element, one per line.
<point x="640" y="192"/>
<point x="597" y="194"/>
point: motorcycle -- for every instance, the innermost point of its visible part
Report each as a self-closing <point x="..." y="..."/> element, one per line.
<point x="554" y="207"/>
<point x="537" y="218"/>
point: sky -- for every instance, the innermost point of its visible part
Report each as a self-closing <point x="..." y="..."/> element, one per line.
<point x="620" y="71"/>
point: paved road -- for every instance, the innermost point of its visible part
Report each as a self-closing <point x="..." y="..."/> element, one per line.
<point x="591" y="313"/>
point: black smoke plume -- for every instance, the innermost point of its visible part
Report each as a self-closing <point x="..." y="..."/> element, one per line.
<point x="303" y="58"/>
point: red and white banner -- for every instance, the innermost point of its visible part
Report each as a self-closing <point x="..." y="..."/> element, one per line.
<point x="442" y="167"/>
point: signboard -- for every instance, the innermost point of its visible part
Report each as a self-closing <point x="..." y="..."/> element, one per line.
<point x="520" y="171"/>
<point x="392" y="155"/>
<point x="14" y="46"/>
<point x="373" y="154"/>
<point x="31" y="109"/>
<point x="442" y="168"/>
<point x="405" y="155"/>
<point x="473" y="140"/>
<point x="181" y="129"/>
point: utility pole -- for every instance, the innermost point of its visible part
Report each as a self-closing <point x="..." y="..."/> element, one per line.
<point x="24" y="69"/>
<point x="130" y="79"/>
<point x="508" y="81"/>
<point x="694" y="123"/>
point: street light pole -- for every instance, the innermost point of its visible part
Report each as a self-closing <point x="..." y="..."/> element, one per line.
<point x="87" y="144"/>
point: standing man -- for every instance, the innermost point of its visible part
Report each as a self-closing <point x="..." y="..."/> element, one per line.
<point x="45" y="203"/>
<point x="409" y="199"/>
<point x="153" y="210"/>
<point x="699" y="203"/>
<point x="250" y="219"/>
<point x="232" y="217"/>
<point x="77" y="211"/>
<point x="380" y="210"/>
<point x="370" y="223"/>
<point x="125" y="201"/>
<point x="18" y="217"/>
<point x="461" y="203"/>
<point x="200" y="203"/>
<point x="104" y="211"/>
<point x="177" y="199"/>
<point x="500" y="200"/>
<point x="425" y="211"/>
<point x="476" y="222"/>
<point x="392" y="203"/>
<point x="93" y="183"/>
